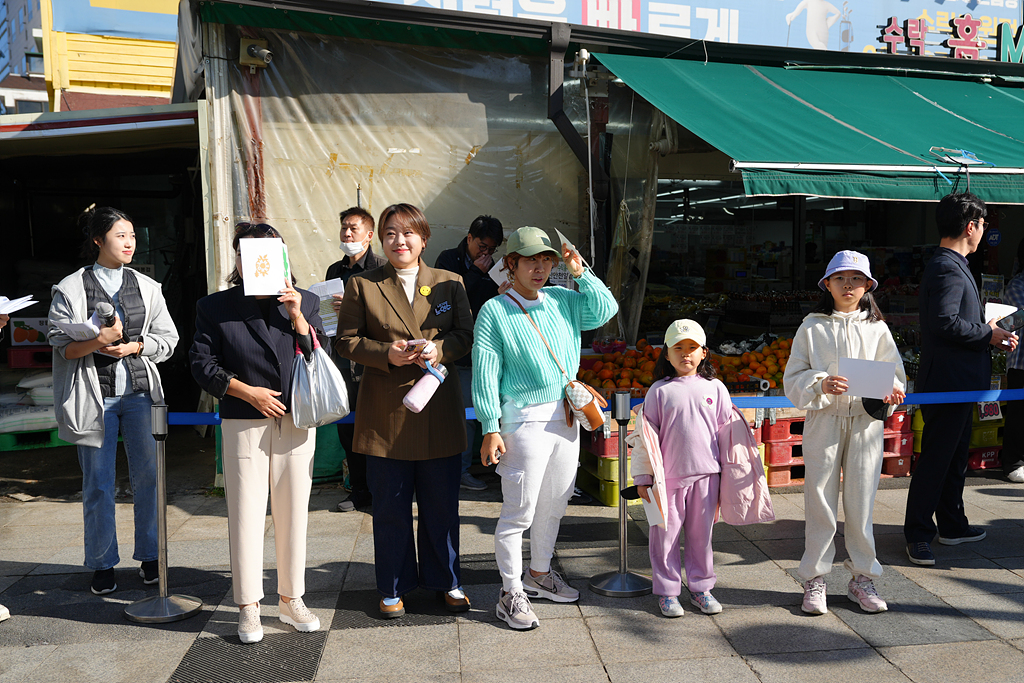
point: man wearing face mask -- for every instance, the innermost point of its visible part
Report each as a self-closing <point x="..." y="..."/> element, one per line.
<point x="356" y="232"/>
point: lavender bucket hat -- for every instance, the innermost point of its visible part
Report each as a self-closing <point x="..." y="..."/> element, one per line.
<point x="848" y="260"/>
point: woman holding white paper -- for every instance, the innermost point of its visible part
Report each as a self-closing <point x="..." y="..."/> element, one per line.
<point x="103" y="385"/>
<point x="842" y="439"/>
<point x="242" y="354"/>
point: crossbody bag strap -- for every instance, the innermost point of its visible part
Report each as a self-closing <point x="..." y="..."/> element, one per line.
<point x="523" y="309"/>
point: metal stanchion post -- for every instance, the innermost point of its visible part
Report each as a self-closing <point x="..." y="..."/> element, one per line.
<point x="623" y="583"/>
<point x="162" y="608"/>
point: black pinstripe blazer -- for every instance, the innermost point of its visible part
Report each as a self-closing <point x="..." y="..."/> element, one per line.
<point x="233" y="341"/>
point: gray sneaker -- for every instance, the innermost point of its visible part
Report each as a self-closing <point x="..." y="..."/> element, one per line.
<point x="550" y="586"/>
<point x="471" y="483"/>
<point x="515" y="610"/>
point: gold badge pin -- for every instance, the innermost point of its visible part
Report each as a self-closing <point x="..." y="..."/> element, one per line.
<point x="424" y="290"/>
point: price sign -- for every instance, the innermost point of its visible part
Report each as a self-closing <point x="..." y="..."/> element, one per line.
<point x="989" y="411"/>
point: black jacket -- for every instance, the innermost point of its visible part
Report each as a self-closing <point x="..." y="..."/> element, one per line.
<point x="232" y="340"/>
<point x="954" y="334"/>
<point x="341" y="268"/>
<point x="479" y="285"/>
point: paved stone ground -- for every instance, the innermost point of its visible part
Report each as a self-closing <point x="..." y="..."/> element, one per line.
<point x="962" y="620"/>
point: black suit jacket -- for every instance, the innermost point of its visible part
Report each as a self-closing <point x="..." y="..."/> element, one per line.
<point x="479" y="286"/>
<point x="233" y="341"/>
<point x="954" y="334"/>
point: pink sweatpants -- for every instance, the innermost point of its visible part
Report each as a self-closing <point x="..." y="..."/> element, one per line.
<point x="690" y="509"/>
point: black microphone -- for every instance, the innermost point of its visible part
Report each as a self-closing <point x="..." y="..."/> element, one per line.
<point x="105" y="312"/>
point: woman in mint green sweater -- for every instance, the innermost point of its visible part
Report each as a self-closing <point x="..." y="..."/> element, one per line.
<point x="517" y="393"/>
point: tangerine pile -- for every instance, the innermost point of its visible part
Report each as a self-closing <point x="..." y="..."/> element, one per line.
<point x="629" y="369"/>
<point x="768" y="363"/>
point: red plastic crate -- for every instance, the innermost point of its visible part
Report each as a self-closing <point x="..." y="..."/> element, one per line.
<point x="899" y="421"/>
<point x="896" y="465"/>
<point x="784" y="452"/>
<point x="984" y="458"/>
<point x="29" y="357"/>
<point x="785" y="475"/>
<point x="601" y="446"/>
<point x="899" y="443"/>
<point x="786" y="429"/>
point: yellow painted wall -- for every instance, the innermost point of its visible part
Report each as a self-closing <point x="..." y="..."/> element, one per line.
<point x="104" y="64"/>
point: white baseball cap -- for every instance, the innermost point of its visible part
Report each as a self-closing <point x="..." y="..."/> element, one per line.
<point x="685" y="329"/>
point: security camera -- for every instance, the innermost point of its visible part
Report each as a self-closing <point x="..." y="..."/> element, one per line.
<point x="261" y="53"/>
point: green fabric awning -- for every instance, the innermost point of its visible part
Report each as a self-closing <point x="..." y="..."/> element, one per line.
<point x="842" y="134"/>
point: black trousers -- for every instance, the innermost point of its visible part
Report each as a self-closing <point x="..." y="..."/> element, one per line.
<point x="1013" y="433"/>
<point x="435" y="484"/>
<point x="937" y="487"/>
<point x="356" y="461"/>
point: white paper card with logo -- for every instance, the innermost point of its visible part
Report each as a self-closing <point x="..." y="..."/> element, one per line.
<point x="264" y="266"/>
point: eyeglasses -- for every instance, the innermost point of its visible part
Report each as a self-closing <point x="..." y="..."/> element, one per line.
<point x="852" y="280"/>
<point x="484" y="247"/>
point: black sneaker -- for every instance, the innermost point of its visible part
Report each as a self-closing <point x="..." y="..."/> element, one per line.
<point x="357" y="500"/>
<point x="150" y="572"/>
<point x="103" y="582"/>
<point x="972" y="534"/>
<point x="579" y="498"/>
<point x="920" y="553"/>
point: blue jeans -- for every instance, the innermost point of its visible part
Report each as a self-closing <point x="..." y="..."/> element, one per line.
<point x="466" y="381"/>
<point x="129" y="414"/>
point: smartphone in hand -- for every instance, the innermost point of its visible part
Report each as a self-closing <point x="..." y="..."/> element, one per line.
<point x="1012" y="322"/>
<point x="415" y="345"/>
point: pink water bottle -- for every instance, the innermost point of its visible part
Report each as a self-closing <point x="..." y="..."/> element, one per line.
<point x="421" y="392"/>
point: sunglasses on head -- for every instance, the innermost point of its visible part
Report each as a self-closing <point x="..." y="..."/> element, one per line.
<point x="246" y="228"/>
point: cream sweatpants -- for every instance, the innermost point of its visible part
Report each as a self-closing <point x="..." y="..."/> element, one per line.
<point x="260" y="457"/>
<point x="851" y="446"/>
<point x="538" y="471"/>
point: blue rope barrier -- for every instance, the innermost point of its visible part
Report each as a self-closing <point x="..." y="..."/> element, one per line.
<point x="738" y="401"/>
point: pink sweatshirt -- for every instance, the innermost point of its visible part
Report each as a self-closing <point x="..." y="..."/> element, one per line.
<point x="687" y="413"/>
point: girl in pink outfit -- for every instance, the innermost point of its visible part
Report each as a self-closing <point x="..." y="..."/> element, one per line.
<point x="686" y="407"/>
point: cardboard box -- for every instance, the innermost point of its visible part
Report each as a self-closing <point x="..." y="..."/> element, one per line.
<point x="29" y="331"/>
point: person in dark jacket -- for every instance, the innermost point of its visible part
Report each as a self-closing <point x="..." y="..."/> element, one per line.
<point x="955" y="340"/>
<point x="473" y="260"/>
<point x="357" y="228"/>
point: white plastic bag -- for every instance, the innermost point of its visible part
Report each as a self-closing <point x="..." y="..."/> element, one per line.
<point x="319" y="394"/>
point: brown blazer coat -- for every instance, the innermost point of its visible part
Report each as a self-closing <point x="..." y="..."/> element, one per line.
<point x="376" y="312"/>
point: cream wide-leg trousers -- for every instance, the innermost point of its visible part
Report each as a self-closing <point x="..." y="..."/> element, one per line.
<point x="851" y="446"/>
<point x="261" y="457"/>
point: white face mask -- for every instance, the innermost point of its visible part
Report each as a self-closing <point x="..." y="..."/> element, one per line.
<point x="353" y="249"/>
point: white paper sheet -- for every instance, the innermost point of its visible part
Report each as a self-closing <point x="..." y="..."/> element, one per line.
<point x="326" y="291"/>
<point x="264" y="266"/>
<point x="998" y="311"/>
<point x="499" y="276"/>
<point x="868" y="378"/>
<point x="654" y="516"/>
<point x="79" y="331"/>
<point x="8" y="306"/>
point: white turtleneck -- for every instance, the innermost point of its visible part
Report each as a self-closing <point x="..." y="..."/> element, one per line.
<point x="407" y="276"/>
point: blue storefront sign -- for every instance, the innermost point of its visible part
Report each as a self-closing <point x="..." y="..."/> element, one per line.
<point x="994" y="237"/>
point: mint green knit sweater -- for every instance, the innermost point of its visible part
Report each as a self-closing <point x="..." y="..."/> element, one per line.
<point x="509" y="358"/>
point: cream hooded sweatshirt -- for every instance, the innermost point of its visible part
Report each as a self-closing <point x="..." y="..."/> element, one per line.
<point x="817" y="347"/>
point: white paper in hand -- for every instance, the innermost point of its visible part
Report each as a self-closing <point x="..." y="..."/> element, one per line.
<point x="264" y="266"/>
<point x="868" y="378"/>
<point x="499" y="276"/>
<point x="654" y="516"/>
<point x="998" y="311"/>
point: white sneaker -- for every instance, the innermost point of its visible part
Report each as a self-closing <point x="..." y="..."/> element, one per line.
<point x="1017" y="476"/>
<point x="515" y="610"/>
<point x="295" y="613"/>
<point x="706" y="602"/>
<point x="550" y="586"/>
<point x="5" y="613"/>
<point x="250" y="628"/>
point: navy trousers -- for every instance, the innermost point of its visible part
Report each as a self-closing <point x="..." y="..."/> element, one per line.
<point x="937" y="487"/>
<point x="435" y="484"/>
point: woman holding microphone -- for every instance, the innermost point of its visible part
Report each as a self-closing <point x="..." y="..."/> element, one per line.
<point x="409" y="453"/>
<point x="242" y="355"/>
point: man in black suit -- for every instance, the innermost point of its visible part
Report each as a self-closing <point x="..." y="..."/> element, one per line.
<point x="356" y="232"/>
<point x="955" y="343"/>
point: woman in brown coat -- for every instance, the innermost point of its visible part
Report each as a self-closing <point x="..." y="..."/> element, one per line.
<point x="409" y="453"/>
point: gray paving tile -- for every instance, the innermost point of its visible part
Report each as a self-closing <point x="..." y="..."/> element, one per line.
<point x="414" y="651"/>
<point x="484" y="597"/>
<point x="644" y="636"/>
<point x="991" y="662"/>
<point x="719" y="669"/>
<point x="836" y="666"/>
<point x="756" y="585"/>
<point x="786" y="552"/>
<point x="122" y="662"/>
<point x="780" y="528"/>
<point x="1000" y="613"/>
<point x="19" y="662"/>
<point x="593" y="673"/>
<point x="738" y="552"/>
<point x="759" y="630"/>
<point x="377" y="677"/>
<point x="557" y="643"/>
<point x="17" y="537"/>
<point x="969" y="576"/>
